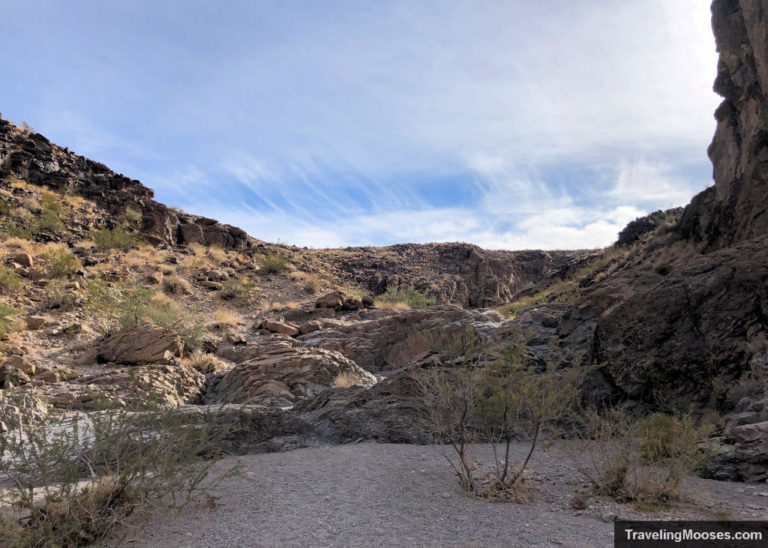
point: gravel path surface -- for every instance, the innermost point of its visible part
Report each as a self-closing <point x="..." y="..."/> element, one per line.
<point x="402" y="495"/>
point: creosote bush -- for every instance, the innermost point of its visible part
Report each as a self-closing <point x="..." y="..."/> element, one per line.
<point x="123" y="305"/>
<point x="409" y="296"/>
<point x="59" y="262"/>
<point x="72" y="480"/>
<point x="493" y="397"/>
<point x="8" y="315"/>
<point x="10" y="282"/>
<point x="241" y="291"/>
<point x="107" y="239"/>
<point x="274" y="263"/>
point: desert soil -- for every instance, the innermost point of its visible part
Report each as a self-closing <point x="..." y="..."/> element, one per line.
<point x="372" y="494"/>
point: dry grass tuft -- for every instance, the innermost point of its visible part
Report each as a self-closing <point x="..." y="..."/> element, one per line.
<point x="345" y="379"/>
<point x="227" y="318"/>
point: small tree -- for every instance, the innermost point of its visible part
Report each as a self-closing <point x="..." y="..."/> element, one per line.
<point x="493" y="396"/>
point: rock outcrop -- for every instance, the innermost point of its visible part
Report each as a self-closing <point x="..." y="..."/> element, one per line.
<point x="286" y="375"/>
<point x="141" y="344"/>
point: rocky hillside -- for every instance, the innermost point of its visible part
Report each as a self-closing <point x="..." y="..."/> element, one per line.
<point x="110" y="298"/>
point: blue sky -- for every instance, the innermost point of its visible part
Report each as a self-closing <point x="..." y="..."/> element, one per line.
<point x="509" y="124"/>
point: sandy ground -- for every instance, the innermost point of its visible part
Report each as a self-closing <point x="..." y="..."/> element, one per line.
<point x="372" y="494"/>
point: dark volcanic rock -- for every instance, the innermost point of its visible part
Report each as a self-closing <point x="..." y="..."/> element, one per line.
<point x="734" y="209"/>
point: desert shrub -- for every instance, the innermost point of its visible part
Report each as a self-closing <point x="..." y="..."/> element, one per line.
<point x="114" y="238"/>
<point x="274" y="263"/>
<point x="59" y="262"/>
<point x="311" y="284"/>
<point x="243" y="291"/>
<point x="176" y="285"/>
<point x="203" y="362"/>
<point x="128" y="304"/>
<point x="75" y="478"/>
<point x="50" y="202"/>
<point x="226" y="318"/>
<point x="494" y="397"/>
<point x="216" y="253"/>
<point x="58" y="296"/>
<point x="8" y="315"/>
<point x="10" y="282"/>
<point x="47" y="221"/>
<point x="642" y="461"/>
<point x="132" y="216"/>
<point x="409" y="296"/>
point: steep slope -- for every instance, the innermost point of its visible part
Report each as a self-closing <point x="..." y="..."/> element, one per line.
<point x="684" y="322"/>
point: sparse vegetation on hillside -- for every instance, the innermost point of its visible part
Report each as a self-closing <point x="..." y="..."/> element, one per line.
<point x="274" y="263"/>
<point x="59" y="262"/>
<point x="10" y="282"/>
<point x="409" y="296"/>
<point x="8" y="315"/>
<point x="114" y="238"/>
<point x="569" y="289"/>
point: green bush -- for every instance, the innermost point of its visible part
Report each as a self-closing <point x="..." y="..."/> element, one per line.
<point x="642" y="461"/>
<point x="493" y="397"/>
<point x="7" y="318"/>
<point x="132" y="216"/>
<point x="73" y="479"/>
<point x="274" y="263"/>
<point x="114" y="238"/>
<point x="60" y="262"/>
<point x="410" y="296"/>
<point x="47" y="221"/>
<point x="10" y="282"/>
<point x="243" y="291"/>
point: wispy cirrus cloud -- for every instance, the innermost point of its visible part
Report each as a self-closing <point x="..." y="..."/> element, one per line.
<point x="509" y="124"/>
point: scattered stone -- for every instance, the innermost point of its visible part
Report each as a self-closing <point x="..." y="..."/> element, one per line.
<point x="577" y="503"/>
<point x="22" y="364"/>
<point x="37" y="322"/>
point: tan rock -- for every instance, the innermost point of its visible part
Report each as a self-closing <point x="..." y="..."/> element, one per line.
<point x="22" y="364"/>
<point x="156" y="278"/>
<point x="284" y="328"/>
<point x="37" y="322"/>
<point x="334" y="300"/>
<point x="24" y="259"/>
<point x="142" y="344"/>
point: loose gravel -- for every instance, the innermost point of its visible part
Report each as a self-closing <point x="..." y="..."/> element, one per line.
<point x="372" y="494"/>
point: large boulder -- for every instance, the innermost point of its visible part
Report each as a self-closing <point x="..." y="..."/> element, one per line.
<point x="285" y="376"/>
<point x="140" y="344"/>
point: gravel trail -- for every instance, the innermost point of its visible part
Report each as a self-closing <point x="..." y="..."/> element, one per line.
<point x="396" y="495"/>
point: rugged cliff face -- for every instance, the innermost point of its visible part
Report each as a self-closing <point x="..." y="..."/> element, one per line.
<point x="458" y="273"/>
<point x="684" y="323"/>
<point x="734" y="209"/>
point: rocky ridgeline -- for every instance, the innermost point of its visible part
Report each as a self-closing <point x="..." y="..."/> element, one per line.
<point x="36" y="160"/>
